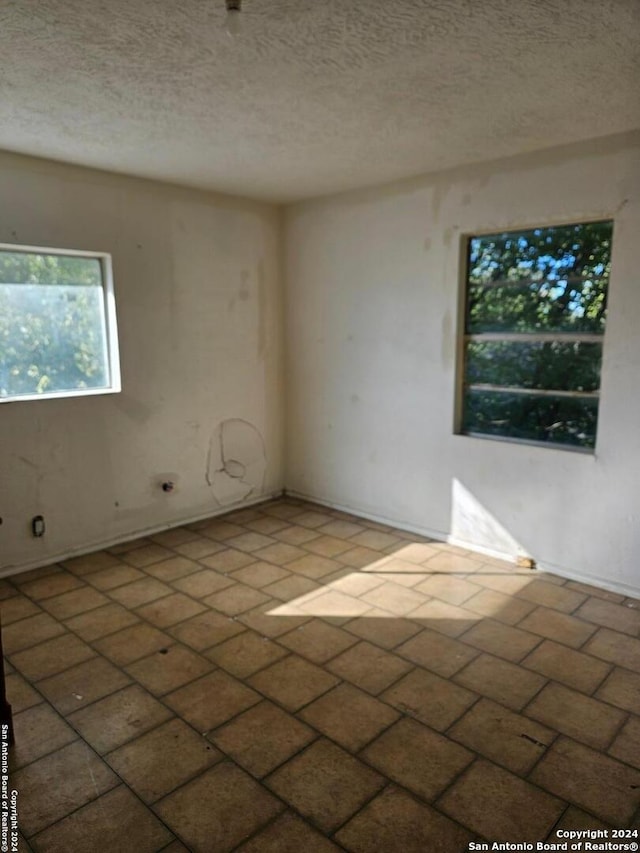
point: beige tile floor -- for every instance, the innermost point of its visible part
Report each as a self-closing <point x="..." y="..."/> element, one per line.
<point x="289" y="678"/>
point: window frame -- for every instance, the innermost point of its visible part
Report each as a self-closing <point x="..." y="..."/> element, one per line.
<point x="110" y="323"/>
<point x="462" y="337"/>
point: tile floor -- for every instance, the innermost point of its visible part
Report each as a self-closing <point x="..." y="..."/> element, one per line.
<point x="291" y="678"/>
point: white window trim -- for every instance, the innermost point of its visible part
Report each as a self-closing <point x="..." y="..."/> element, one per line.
<point x="108" y="296"/>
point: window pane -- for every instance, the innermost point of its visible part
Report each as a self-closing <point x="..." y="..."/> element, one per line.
<point x="557" y="420"/>
<point x="544" y="279"/>
<point x="52" y="324"/>
<point x="556" y="365"/>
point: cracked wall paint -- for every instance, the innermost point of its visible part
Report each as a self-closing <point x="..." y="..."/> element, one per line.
<point x="236" y="462"/>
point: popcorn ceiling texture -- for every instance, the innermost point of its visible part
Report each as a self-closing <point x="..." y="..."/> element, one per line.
<point x="314" y="96"/>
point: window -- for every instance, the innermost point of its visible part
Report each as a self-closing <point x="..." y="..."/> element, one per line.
<point x="536" y="304"/>
<point x="57" y="324"/>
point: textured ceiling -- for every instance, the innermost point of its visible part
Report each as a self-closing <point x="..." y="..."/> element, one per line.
<point x="314" y="96"/>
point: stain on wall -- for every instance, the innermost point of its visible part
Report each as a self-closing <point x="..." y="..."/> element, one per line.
<point x="236" y="462"/>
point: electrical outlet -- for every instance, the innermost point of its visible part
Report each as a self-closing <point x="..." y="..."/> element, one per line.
<point x="37" y="525"/>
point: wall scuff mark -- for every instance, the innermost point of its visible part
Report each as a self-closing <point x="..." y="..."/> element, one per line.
<point x="236" y="462"/>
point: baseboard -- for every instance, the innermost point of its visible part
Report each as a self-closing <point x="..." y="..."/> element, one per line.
<point x="442" y="536"/>
<point x="9" y="571"/>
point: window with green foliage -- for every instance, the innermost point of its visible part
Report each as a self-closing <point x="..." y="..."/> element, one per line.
<point x="57" y="324"/>
<point x="536" y="305"/>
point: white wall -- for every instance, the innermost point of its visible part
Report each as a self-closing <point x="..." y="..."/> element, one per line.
<point x="372" y="282"/>
<point x="199" y="307"/>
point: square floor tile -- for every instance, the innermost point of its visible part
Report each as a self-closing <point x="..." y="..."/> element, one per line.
<point x="383" y="630"/>
<point x="341" y="529"/>
<point x="260" y="574"/>
<point x="312" y="518"/>
<point x="449" y="588"/>
<point x="558" y="626"/>
<point x="58" y="784"/>
<point x="394" y="598"/>
<point x="353" y="583"/>
<point x="267" y="525"/>
<point x="140" y="592"/>
<point x="158" y="762"/>
<point x="429" y="698"/>
<point x="325" y="784"/>
<point x="317" y="641"/>
<point x="291" y="588"/>
<point x="575" y="669"/>
<point x="333" y="604"/>
<point x="53" y="584"/>
<point x="72" y="603"/>
<point x="245" y="654"/>
<point x="101" y="622"/>
<point x="312" y="565"/>
<point x="20" y="694"/>
<point x="115" y="576"/>
<point x="88" y="563"/>
<point x="262" y="738"/>
<point x="450" y="562"/>
<point x="609" y="615"/>
<point x="38" y="731"/>
<point x="504" y="682"/>
<point x="236" y="599"/>
<point x="237" y="806"/>
<point x="212" y="700"/>
<point x="18" y="607"/>
<point x="590" y="780"/>
<point x="295" y="535"/>
<point x="446" y="618"/>
<point x="437" y="652"/>
<point x="250" y="541"/>
<point x="51" y="657"/>
<point x="168" y="669"/>
<point x="417" y="758"/>
<point x="119" y="718"/>
<point x="375" y="539"/>
<point x="626" y="746"/>
<point x="622" y="689"/>
<point x="265" y="620"/>
<point x="395" y="821"/>
<point x="509" y="739"/>
<point x="498" y="805"/>
<point x="615" y="648"/>
<point x="206" y="630"/>
<point x="116" y="821"/>
<point x="288" y="834"/>
<point x="170" y="610"/>
<point x="177" y="567"/>
<point x="369" y="667"/>
<point x="29" y="632"/>
<point x="584" y="719"/>
<point x="349" y="717"/>
<point x="132" y="643"/>
<point x="359" y="557"/>
<point x="501" y="640"/>
<point x="221" y="530"/>
<point x="328" y="546"/>
<point x="499" y="606"/>
<point x="551" y="595"/>
<point x="293" y="682"/>
<point x="82" y="684"/>
<point x="229" y="560"/>
<point x="203" y="583"/>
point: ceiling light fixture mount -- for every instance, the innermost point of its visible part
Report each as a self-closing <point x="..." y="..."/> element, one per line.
<point x="232" y="22"/>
